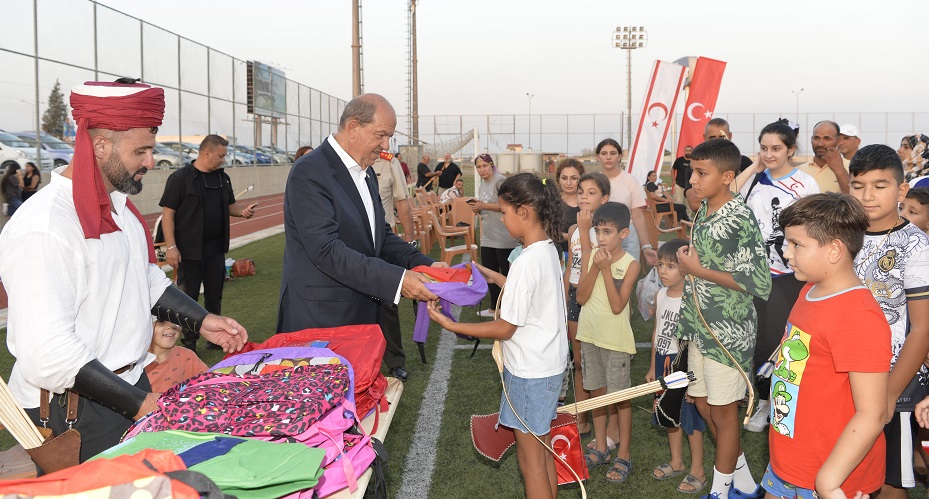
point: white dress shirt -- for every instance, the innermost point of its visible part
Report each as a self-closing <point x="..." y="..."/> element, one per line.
<point x="359" y="175"/>
<point x="71" y="299"/>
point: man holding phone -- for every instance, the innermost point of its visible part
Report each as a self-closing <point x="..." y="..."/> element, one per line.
<point x="196" y="205"/>
<point x="828" y="167"/>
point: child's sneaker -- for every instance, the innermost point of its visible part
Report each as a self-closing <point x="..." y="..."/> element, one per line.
<point x="759" y="420"/>
<point x="758" y="493"/>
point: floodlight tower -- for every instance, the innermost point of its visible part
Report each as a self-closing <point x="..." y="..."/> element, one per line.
<point x="629" y="38"/>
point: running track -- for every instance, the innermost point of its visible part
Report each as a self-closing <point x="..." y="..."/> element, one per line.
<point x="269" y="213"/>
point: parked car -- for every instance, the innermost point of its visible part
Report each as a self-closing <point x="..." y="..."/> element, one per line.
<point x="236" y="158"/>
<point x="165" y="157"/>
<point x="278" y="158"/>
<point x="278" y="150"/>
<point x="14" y="150"/>
<point x="61" y="152"/>
<point x="261" y="158"/>
<point x="192" y="150"/>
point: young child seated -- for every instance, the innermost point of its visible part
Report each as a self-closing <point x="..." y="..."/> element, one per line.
<point x="172" y="363"/>
<point x="664" y="353"/>
<point x="894" y="265"/>
<point x="829" y="386"/>
<point x="915" y="208"/>
<point x="605" y="334"/>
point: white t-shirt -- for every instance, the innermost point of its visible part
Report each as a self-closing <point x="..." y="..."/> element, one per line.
<point x="574" y="247"/>
<point x="767" y="199"/>
<point x="895" y="267"/>
<point x="625" y="189"/>
<point x="667" y="312"/>
<point x="534" y="301"/>
<point x="73" y="300"/>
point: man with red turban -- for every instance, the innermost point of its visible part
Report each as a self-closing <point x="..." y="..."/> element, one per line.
<point x="80" y="315"/>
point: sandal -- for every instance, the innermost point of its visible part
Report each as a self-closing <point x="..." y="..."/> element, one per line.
<point x="692" y="481"/>
<point x="666" y="471"/>
<point x="610" y="444"/>
<point x="598" y="459"/>
<point x="622" y="468"/>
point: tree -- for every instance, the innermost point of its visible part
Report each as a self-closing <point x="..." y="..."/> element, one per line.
<point x="53" y="119"/>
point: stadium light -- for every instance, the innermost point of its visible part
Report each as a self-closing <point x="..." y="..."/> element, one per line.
<point x="629" y="38"/>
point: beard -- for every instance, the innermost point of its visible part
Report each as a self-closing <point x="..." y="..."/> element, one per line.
<point x="121" y="180"/>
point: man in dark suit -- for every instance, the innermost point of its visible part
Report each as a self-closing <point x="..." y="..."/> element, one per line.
<point x="341" y="258"/>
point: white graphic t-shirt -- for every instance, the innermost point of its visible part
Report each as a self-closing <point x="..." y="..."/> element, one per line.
<point x="667" y="311"/>
<point x="574" y="246"/>
<point x="766" y="199"/>
<point x="895" y="267"/>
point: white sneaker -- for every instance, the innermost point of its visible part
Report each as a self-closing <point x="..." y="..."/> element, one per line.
<point x="759" y="420"/>
<point x="486" y="313"/>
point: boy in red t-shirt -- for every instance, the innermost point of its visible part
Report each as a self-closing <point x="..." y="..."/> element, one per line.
<point x="172" y="363"/>
<point x="829" y="387"/>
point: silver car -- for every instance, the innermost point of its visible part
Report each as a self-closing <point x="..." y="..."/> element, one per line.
<point x="167" y="158"/>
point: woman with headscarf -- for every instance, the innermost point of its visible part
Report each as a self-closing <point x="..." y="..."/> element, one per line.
<point x="496" y="242"/>
<point x="914" y="152"/>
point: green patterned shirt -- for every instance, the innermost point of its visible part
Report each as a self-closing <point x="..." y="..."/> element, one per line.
<point x="730" y="241"/>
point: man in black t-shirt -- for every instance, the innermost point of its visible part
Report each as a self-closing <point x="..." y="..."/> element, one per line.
<point x="449" y="172"/>
<point x="424" y="174"/>
<point x="680" y="175"/>
<point x="196" y="205"/>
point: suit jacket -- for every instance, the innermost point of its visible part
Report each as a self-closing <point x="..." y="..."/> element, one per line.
<point x="334" y="274"/>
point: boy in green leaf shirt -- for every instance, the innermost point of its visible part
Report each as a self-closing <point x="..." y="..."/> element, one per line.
<point x="728" y="263"/>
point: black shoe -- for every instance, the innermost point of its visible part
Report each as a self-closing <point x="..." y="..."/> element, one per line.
<point x="398" y="372"/>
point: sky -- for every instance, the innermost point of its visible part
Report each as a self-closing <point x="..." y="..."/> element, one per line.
<point x="481" y="57"/>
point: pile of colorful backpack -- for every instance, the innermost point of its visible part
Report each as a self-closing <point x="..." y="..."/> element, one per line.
<point x="279" y="419"/>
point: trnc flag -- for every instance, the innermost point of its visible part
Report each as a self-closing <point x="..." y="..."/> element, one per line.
<point x="655" y="120"/>
<point x="704" y="89"/>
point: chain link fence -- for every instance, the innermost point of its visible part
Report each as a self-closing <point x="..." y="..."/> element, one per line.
<point x="73" y="41"/>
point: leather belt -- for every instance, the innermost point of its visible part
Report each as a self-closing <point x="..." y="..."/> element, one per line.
<point x="127" y="367"/>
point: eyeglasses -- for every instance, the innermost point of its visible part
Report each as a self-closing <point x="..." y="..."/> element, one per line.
<point x="207" y="186"/>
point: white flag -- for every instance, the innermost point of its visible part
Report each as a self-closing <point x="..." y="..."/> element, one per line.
<point x="655" y="120"/>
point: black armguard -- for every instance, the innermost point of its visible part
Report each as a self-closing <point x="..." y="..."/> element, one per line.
<point x="98" y="383"/>
<point x="176" y="307"/>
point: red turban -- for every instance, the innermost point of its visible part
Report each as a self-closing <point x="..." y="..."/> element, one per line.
<point x="110" y="106"/>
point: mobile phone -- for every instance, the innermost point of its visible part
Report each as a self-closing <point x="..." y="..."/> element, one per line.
<point x="471" y="201"/>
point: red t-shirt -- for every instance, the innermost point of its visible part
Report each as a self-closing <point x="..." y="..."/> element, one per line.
<point x="182" y="364"/>
<point x="811" y="398"/>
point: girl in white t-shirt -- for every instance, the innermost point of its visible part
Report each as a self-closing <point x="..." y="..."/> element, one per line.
<point x="767" y="187"/>
<point x="531" y="327"/>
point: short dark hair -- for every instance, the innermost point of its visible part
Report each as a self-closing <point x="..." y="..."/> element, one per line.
<point x="598" y="178"/>
<point x="876" y="157"/>
<point x="829" y="216"/>
<point x="213" y="141"/>
<point x="830" y="122"/>
<point x="719" y="123"/>
<point x="612" y="213"/>
<point x="609" y="142"/>
<point x="919" y="194"/>
<point x="668" y="249"/>
<point x="721" y="152"/>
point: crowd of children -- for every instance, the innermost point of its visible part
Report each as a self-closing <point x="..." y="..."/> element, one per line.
<point x="831" y="290"/>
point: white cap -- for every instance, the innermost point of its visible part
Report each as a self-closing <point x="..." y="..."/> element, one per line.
<point x="849" y="131"/>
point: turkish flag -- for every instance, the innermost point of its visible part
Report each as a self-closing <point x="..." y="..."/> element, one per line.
<point x="664" y="87"/>
<point x="704" y="89"/>
<point x="567" y="444"/>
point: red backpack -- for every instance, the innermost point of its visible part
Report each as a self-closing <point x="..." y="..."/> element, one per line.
<point x="362" y="345"/>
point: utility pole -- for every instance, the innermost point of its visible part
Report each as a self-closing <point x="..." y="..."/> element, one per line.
<point x="415" y="77"/>
<point x="356" y="48"/>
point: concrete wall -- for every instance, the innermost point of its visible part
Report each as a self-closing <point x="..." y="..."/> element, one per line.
<point x="267" y="180"/>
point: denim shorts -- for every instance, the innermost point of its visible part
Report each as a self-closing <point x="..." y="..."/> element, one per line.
<point x="777" y="487"/>
<point x="535" y="400"/>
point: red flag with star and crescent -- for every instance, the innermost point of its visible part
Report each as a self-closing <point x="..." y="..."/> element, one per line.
<point x="664" y="87"/>
<point x="704" y="89"/>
